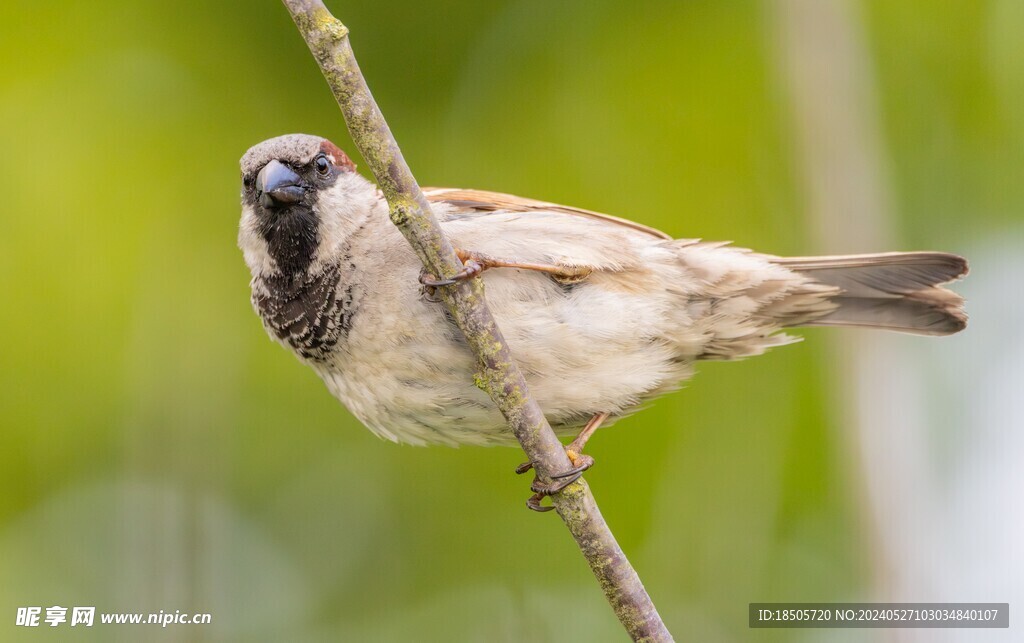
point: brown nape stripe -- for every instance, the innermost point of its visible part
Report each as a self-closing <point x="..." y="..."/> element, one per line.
<point x="341" y="160"/>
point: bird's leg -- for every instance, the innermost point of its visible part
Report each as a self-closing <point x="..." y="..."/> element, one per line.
<point x="580" y="463"/>
<point x="473" y="263"/>
<point x="574" y="449"/>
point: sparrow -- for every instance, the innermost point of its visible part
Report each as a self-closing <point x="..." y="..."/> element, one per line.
<point x="601" y="313"/>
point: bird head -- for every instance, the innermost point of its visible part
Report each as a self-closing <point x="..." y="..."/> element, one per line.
<point x="301" y="197"/>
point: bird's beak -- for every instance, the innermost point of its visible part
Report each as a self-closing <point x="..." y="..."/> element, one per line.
<point x="279" y="186"/>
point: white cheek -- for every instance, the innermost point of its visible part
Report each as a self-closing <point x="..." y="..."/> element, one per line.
<point x="254" y="247"/>
<point x="342" y="209"/>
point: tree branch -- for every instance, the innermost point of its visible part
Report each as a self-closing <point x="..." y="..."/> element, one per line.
<point x="498" y="374"/>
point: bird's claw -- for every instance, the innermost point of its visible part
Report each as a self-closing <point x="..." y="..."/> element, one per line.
<point x="556" y="485"/>
<point x="581" y="462"/>
<point x="542" y="489"/>
<point x="558" y="482"/>
<point x="523" y="468"/>
<point x="471" y="268"/>
<point x="533" y="503"/>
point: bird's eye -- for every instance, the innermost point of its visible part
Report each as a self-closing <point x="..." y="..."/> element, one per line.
<point x="322" y="165"/>
<point x="248" y="182"/>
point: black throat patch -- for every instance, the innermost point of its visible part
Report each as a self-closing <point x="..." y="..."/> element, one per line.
<point x="292" y="236"/>
<point x="309" y="312"/>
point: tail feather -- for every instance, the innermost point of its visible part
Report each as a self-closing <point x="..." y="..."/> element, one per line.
<point x="896" y="290"/>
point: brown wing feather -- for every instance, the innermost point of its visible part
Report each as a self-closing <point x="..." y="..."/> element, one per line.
<point x="483" y="201"/>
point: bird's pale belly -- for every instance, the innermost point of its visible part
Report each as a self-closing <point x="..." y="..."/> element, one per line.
<point x="416" y="384"/>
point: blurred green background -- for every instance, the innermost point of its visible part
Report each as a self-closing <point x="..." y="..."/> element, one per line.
<point x="158" y="451"/>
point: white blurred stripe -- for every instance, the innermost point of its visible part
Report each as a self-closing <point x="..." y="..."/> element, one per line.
<point x="825" y="64"/>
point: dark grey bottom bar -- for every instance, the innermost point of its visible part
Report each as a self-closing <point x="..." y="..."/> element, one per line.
<point x="879" y="615"/>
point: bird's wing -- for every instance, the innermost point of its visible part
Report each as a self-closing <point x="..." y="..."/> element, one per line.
<point x="481" y="201"/>
<point x="512" y="228"/>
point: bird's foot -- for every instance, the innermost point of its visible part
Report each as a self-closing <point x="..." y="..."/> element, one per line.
<point x="580" y="463"/>
<point x="542" y="489"/>
<point x="559" y="481"/>
<point x="471" y="268"/>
